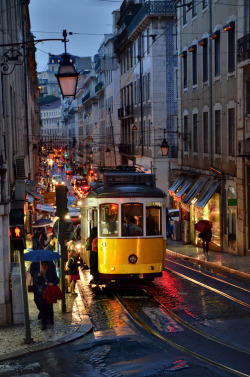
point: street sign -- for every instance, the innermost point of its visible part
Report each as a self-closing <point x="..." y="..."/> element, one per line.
<point x="49" y="197"/>
<point x="134" y="128"/>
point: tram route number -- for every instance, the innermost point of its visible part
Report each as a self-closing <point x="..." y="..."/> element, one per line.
<point x="132" y="199"/>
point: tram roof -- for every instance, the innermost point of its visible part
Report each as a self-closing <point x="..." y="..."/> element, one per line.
<point x="118" y="191"/>
<point x="126" y="182"/>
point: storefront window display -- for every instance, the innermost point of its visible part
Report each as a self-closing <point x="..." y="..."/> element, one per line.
<point x="210" y="212"/>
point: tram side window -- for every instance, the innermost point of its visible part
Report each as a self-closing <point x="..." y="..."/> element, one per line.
<point x="153" y="220"/>
<point x="132" y="224"/>
<point x="109" y="219"/>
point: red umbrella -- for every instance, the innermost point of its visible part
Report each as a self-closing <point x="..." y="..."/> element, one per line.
<point x="203" y="225"/>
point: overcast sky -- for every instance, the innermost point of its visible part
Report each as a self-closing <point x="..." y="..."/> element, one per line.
<point x="84" y="17"/>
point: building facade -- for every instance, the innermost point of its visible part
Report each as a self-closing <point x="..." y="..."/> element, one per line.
<point x="148" y="97"/>
<point x="19" y="138"/>
<point x="208" y="186"/>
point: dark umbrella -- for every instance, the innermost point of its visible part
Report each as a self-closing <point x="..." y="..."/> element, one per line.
<point x="41" y="255"/>
<point x="42" y="222"/>
<point x="203" y="225"/>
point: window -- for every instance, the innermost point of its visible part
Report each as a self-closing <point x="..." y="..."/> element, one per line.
<point x="184" y="12"/>
<point x="204" y="4"/>
<point x="231" y="49"/>
<point x="185" y="69"/>
<point x="217" y="54"/>
<point x="148" y="86"/>
<point x="205" y="132"/>
<point x="231" y="131"/>
<point x="185" y="121"/>
<point x="194" y="8"/>
<point x="193" y="49"/>
<point x="203" y="44"/>
<point x="153" y="219"/>
<point x="147" y="41"/>
<point x="217" y="124"/>
<point x="132" y="219"/>
<point x="195" y="134"/>
<point x="109" y="219"/>
<point x="149" y="133"/>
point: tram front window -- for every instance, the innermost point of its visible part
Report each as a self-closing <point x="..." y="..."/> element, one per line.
<point x="109" y="219"/>
<point x="132" y="219"/>
<point x="153" y="219"/>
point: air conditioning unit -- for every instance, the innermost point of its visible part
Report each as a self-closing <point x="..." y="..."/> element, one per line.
<point x="244" y="148"/>
<point x="21" y="167"/>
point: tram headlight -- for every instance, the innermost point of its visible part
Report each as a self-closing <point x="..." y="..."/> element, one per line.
<point x="132" y="258"/>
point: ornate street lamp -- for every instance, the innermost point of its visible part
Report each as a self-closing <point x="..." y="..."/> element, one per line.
<point x="67" y="75"/>
<point x="164" y="146"/>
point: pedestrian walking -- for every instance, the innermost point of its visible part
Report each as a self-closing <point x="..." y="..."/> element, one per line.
<point x="72" y="270"/>
<point x="206" y="236"/>
<point x="45" y="277"/>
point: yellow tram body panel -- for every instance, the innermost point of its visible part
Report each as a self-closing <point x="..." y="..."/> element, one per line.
<point x="113" y="256"/>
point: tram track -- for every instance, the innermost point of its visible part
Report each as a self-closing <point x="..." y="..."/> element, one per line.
<point x="223" y="347"/>
<point x="215" y="290"/>
<point x="207" y="275"/>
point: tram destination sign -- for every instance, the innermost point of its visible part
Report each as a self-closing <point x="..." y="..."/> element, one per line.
<point x="131" y="178"/>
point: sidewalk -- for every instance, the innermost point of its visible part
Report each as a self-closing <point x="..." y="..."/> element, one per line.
<point x="229" y="264"/>
<point x="68" y="326"/>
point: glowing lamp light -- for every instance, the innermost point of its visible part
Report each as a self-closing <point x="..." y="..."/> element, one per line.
<point x="67" y="77"/>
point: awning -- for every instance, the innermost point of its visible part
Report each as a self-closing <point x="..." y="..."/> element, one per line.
<point x="45" y="208"/>
<point x="207" y="193"/>
<point x="186" y="184"/>
<point x="33" y="193"/>
<point x="172" y="190"/>
<point x="194" y="192"/>
<point x="30" y="199"/>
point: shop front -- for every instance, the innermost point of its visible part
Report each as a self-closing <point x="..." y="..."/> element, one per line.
<point x="207" y="207"/>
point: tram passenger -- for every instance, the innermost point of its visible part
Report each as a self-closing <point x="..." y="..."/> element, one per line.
<point x="130" y="226"/>
<point x="93" y="240"/>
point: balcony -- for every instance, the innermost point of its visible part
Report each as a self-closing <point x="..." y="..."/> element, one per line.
<point x="120" y="113"/>
<point x="128" y="110"/>
<point x="98" y="86"/>
<point x="128" y="149"/>
<point x="243" y="50"/>
<point x="152" y="8"/>
<point x="85" y="98"/>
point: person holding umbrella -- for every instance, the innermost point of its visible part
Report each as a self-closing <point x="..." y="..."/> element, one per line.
<point x="43" y="272"/>
<point x="204" y="226"/>
<point x="46" y="276"/>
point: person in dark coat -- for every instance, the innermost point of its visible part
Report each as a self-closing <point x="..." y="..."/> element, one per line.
<point x="206" y="238"/>
<point x="93" y="242"/>
<point x="45" y="276"/>
<point x="73" y="272"/>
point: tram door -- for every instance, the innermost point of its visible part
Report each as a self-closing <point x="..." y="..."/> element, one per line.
<point x="92" y="218"/>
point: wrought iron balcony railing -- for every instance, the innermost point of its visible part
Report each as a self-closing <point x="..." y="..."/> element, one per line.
<point x="152" y="8"/>
<point x="243" y="48"/>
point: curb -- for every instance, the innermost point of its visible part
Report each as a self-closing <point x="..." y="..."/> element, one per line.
<point x="81" y="331"/>
<point x="242" y="276"/>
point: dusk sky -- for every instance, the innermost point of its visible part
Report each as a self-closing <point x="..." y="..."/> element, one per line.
<point x="83" y="17"/>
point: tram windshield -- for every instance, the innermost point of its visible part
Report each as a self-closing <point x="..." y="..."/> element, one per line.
<point x="109" y="219"/>
<point x="153" y="219"/>
<point x="132" y="219"/>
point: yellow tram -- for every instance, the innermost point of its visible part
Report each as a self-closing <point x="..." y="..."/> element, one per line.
<point x="129" y="213"/>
